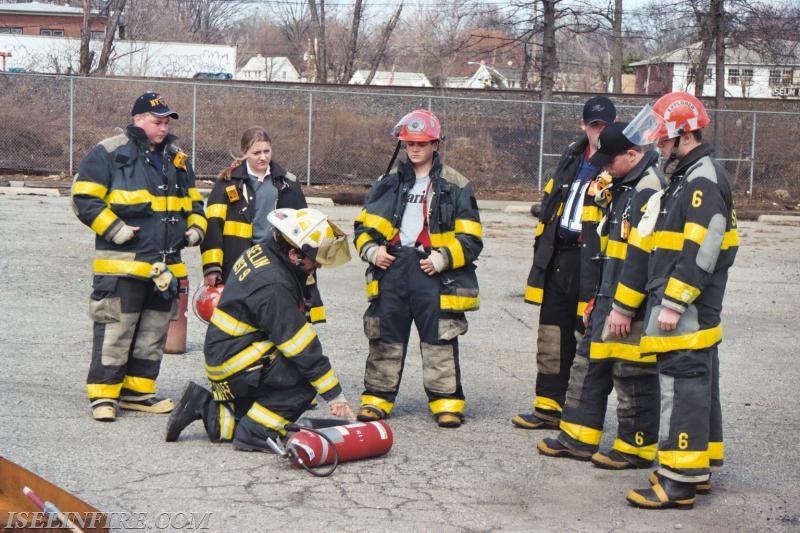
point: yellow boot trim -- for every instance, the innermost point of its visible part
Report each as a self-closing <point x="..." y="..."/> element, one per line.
<point x="645" y="452"/>
<point x="581" y="433"/>
<point x="446" y="405"/>
<point x="380" y="403"/>
<point x="102" y="390"/>
<point x="139" y="384"/>
<point x="545" y="404"/>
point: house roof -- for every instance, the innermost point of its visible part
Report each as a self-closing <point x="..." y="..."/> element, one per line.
<point x="261" y="63"/>
<point x="388" y="77"/>
<point x="41" y="8"/>
<point x="734" y="55"/>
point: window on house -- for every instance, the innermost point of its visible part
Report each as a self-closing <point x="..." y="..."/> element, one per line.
<point x="746" y="77"/>
<point x="733" y="76"/>
<point x="693" y="73"/>
<point x="51" y="32"/>
<point x="99" y="35"/>
<point x="779" y="76"/>
<point x="15" y="31"/>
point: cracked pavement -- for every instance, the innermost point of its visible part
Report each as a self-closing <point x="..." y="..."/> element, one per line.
<point x="485" y="476"/>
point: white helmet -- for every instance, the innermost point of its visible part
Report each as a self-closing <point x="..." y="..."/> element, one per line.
<point x="310" y="232"/>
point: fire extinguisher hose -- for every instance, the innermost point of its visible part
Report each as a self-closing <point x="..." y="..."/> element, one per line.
<point x="291" y="453"/>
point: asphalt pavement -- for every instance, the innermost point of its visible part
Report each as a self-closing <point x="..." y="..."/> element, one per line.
<point x="484" y="476"/>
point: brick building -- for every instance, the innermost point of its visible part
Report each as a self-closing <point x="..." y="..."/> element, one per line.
<point x="40" y="18"/>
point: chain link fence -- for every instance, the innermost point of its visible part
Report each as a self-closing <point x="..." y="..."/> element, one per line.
<point x="341" y="134"/>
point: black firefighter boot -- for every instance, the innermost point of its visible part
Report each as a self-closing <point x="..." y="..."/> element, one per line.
<point x="192" y="406"/>
<point x="665" y="493"/>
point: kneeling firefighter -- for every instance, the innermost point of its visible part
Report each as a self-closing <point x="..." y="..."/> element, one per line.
<point x="263" y="359"/>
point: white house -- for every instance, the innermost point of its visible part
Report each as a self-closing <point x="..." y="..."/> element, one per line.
<point x="748" y="73"/>
<point x="60" y="55"/>
<point x="260" y="68"/>
<point x="391" y="77"/>
<point x="486" y="77"/>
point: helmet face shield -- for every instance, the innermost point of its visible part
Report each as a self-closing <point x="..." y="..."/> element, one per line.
<point x="645" y="127"/>
<point x="310" y="232"/>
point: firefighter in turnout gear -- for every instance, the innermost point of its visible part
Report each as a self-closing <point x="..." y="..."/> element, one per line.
<point x="263" y="359"/>
<point x="420" y="232"/>
<point x="604" y="361"/>
<point x="565" y="269"/>
<point x="252" y="186"/>
<point x="694" y="240"/>
<point x="137" y="191"/>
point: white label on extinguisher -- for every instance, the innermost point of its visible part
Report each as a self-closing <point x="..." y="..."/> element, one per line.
<point x="308" y="449"/>
<point x="381" y="430"/>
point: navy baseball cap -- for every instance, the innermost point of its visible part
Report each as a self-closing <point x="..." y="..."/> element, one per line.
<point x="599" y="108"/>
<point x="154" y="104"/>
<point x="611" y="143"/>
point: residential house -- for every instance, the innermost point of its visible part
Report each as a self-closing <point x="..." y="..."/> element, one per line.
<point x="56" y="20"/>
<point x="260" y="68"/>
<point x="487" y="77"/>
<point x="390" y="77"/>
<point x="749" y="73"/>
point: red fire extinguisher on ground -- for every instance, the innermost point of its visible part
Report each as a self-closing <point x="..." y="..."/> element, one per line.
<point x="176" y="334"/>
<point x="309" y="448"/>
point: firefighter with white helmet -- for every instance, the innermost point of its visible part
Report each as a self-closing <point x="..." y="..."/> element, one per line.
<point x="420" y="232"/>
<point x="263" y="359"/>
<point x="694" y="243"/>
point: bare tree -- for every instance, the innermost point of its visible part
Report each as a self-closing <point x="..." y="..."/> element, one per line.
<point x="320" y="47"/>
<point x="384" y="41"/>
<point x="86" y="54"/>
<point x="352" y="45"/>
<point x="114" y="15"/>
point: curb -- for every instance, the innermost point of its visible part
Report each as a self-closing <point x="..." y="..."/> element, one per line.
<point x="29" y="191"/>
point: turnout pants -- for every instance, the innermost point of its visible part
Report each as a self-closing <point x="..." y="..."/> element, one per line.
<point x="555" y="343"/>
<point x="591" y="381"/>
<point x="256" y="404"/>
<point x="407" y="294"/>
<point x="130" y="328"/>
<point x="690" y="446"/>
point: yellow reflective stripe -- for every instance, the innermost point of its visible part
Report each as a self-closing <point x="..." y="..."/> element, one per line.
<point x="440" y="240"/>
<point x="103" y="390"/>
<point x="677" y="460"/>
<point x="681" y="291"/>
<point x="249" y="356"/>
<point x="591" y="213"/>
<point x="316" y="314"/>
<point x="469" y="227"/>
<point x="534" y="294"/>
<point x="694" y="232"/>
<point x="383" y="405"/>
<point x="139" y="384"/>
<point x="197" y="220"/>
<point x="647" y="453"/>
<point x="619" y="350"/>
<point x="731" y="239"/>
<point x="603" y="242"/>
<point x="179" y="270"/>
<point x="227" y="423"/>
<point x="89" y="188"/>
<point x="451" y="302"/>
<point x="120" y="267"/>
<point x="716" y="451"/>
<point x="581" y="433"/>
<point x="212" y="256"/>
<point x="229" y="324"/>
<point x="539" y="228"/>
<point x="377" y="222"/>
<point x="103" y="221"/>
<point x="643" y="243"/>
<point x="546" y="404"/>
<point x="549" y="187"/>
<point x="446" y="405"/>
<point x="217" y="211"/>
<point x="668" y="240"/>
<point x="363" y="239"/>
<point x="582" y="308"/>
<point x="628" y="296"/>
<point x="238" y="229"/>
<point x="267" y="418"/>
<point x="299" y="341"/>
<point x="326" y="382"/>
<point x="143" y="196"/>
<point x="700" y="340"/>
<point x="457" y="253"/>
<point x="372" y="288"/>
<point x="616" y="250"/>
<point x="194" y="194"/>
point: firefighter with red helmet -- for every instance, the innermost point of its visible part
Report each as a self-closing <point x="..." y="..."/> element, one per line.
<point x="694" y="243"/>
<point x="420" y="232"/>
<point x="263" y="359"/>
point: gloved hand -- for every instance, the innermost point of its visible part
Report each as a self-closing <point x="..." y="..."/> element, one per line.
<point x="193" y="236"/>
<point x="124" y="234"/>
<point x="165" y="281"/>
<point x="587" y="313"/>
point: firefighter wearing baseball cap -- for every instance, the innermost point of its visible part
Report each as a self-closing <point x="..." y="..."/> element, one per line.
<point x="263" y="359"/>
<point x="565" y="269"/>
<point x="695" y="240"/>
<point x="604" y="359"/>
<point x="420" y="232"/>
<point x="137" y="191"/>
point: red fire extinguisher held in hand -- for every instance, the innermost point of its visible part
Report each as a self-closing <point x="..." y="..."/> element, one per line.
<point x="309" y="448"/>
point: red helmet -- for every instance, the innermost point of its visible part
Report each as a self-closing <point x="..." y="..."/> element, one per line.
<point x="205" y="300"/>
<point x="679" y="113"/>
<point x="419" y="125"/>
